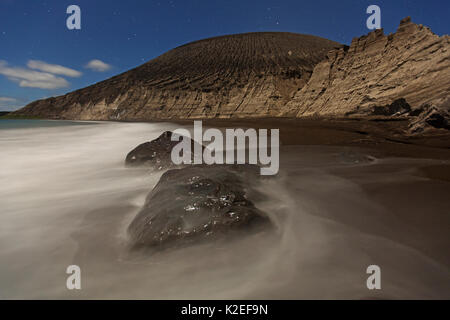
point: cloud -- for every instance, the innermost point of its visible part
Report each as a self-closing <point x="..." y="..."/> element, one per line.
<point x="53" y="68"/>
<point x="98" y="65"/>
<point x="8" y="103"/>
<point x="31" y="78"/>
<point x="4" y="100"/>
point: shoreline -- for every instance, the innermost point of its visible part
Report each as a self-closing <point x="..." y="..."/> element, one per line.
<point x="383" y="136"/>
<point x="382" y="211"/>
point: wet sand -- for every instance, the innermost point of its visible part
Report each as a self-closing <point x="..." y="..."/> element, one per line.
<point x="380" y="137"/>
<point x="334" y="217"/>
<point x="337" y="207"/>
<point x="385" y="138"/>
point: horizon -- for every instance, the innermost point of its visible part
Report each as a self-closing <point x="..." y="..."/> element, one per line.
<point x="50" y="60"/>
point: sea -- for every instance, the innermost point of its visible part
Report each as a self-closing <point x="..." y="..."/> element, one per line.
<point x="66" y="199"/>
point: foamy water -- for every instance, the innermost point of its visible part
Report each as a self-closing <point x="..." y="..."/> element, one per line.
<point x="66" y="198"/>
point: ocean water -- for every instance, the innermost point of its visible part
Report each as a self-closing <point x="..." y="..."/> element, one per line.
<point x="66" y="199"/>
<point x="28" y="124"/>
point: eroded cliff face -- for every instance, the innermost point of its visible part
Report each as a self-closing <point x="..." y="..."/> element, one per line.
<point x="269" y="74"/>
<point x="375" y="70"/>
<point x="244" y="75"/>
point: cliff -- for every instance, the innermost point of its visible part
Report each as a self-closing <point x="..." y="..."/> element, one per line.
<point x="377" y="69"/>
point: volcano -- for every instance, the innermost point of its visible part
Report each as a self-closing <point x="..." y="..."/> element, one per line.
<point x="242" y="75"/>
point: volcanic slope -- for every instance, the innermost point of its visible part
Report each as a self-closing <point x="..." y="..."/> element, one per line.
<point x="239" y="76"/>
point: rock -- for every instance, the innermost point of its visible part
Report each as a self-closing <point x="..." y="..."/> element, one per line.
<point x="198" y="202"/>
<point x="431" y="117"/>
<point x="438" y="120"/>
<point x="398" y="107"/>
<point x="156" y="153"/>
<point x="416" y="111"/>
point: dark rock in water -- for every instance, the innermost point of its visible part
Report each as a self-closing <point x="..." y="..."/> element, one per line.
<point x="198" y="202"/>
<point x="398" y="107"/>
<point x="155" y="153"/>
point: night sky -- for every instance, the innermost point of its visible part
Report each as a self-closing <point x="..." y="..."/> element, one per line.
<point x="40" y="57"/>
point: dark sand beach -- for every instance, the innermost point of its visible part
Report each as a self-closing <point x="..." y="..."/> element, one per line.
<point x="338" y="204"/>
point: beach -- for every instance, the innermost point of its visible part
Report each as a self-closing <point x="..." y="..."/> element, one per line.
<point x="342" y="200"/>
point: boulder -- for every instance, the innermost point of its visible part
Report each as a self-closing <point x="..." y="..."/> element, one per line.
<point x="156" y="153"/>
<point x="397" y="107"/>
<point x="198" y="202"/>
<point x="431" y="117"/>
